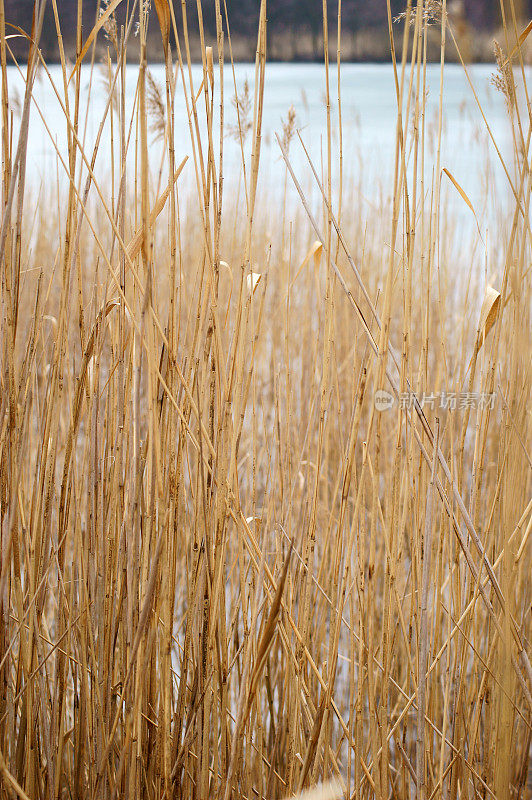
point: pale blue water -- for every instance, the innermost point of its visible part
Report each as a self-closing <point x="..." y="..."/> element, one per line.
<point x="369" y="113"/>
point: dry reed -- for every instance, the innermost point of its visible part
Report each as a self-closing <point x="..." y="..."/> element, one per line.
<point x="224" y="571"/>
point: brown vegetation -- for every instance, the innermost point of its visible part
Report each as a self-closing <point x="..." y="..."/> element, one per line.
<point x="224" y="572"/>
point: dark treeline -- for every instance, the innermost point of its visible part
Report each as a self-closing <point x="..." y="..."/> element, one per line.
<point x="290" y="22"/>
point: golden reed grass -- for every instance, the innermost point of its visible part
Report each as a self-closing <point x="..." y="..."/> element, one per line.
<point x="224" y="572"/>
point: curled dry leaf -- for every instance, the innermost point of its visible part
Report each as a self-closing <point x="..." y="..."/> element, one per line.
<point x="463" y="195"/>
<point x="252" y="281"/>
<point x="488" y="314"/>
<point x="50" y="318"/>
<point x="315" y="251"/>
<point x="459" y="189"/>
<point x="163" y="12"/>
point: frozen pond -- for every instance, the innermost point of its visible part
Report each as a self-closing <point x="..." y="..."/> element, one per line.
<point x="369" y="112"/>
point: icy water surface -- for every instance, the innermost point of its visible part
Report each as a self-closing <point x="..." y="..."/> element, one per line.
<point x="369" y="113"/>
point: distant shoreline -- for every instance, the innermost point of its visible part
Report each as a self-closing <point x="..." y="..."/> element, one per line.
<point x="364" y="46"/>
